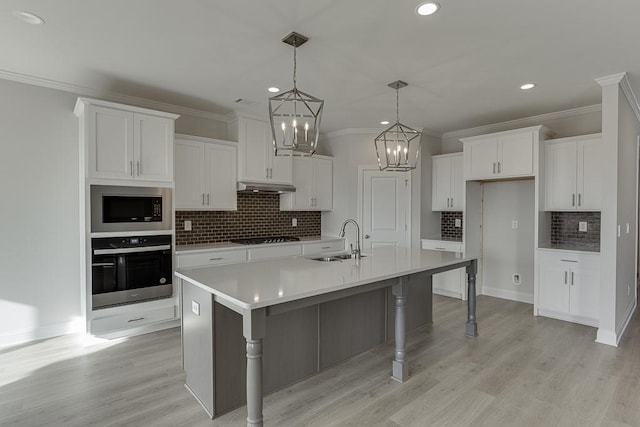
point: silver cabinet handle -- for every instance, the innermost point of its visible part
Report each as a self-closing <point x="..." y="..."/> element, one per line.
<point x="565" y="276"/>
<point x="326" y="247"/>
<point x="266" y="173"/>
<point x="131" y="166"/>
<point x="271" y="173"/>
<point x="568" y="260"/>
<point x="366" y="236"/>
<point x="498" y="167"/>
<point x="440" y="249"/>
<point x="452" y="202"/>
<point x="215" y="259"/>
<point x="573" y="199"/>
<point x="579" y="199"/>
<point x="138" y="167"/>
<point x="202" y="199"/>
<point x="494" y="167"/>
<point x="208" y="199"/>
<point x="572" y="278"/>
<point x="135" y="320"/>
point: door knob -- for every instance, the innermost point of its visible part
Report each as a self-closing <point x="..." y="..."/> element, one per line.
<point x="366" y="236"/>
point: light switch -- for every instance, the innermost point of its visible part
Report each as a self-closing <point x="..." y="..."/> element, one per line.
<point x="294" y="222"/>
<point x="458" y="223"/>
<point x="514" y="224"/>
<point x="628" y="228"/>
<point x="582" y="226"/>
<point x="195" y="307"/>
<point x="187" y="225"/>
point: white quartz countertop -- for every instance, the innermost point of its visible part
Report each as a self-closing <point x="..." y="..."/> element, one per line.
<point x="205" y="247"/>
<point x="257" y="284"/>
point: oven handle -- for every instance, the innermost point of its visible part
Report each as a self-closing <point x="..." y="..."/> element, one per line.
<point x="103" y="264"/>
<point x="131" y="250"/>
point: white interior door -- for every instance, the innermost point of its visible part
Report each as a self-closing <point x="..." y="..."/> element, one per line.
<point x="385" y="211"/>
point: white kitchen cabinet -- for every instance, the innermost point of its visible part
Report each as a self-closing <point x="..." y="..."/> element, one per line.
<point x="501" y="155"/>
<point x="267" y="252"/>
<point x="212" y="257"/>
<point x="257" y="161"/>
<point x="126" y="143"/>
<point x="323" y="247"/>
<point x="447" y="183"/>
<point x="450" y="283"/>
<point x="569" y="286"/>
<point x="313" y="179"/>
<point x="205" y="174"/>
<point x="573" y="171"/>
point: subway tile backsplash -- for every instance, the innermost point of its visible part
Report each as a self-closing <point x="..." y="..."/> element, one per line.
<point x="564" y="229"/>
<point x="258" y="215"/>
<point x="448" y="229"/>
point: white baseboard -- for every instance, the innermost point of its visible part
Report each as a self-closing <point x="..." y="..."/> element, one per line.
<point x="507" y="294"/>
<point x="620" y="330"/>
<point x="568" y="317"/>
<point x="447" y="293"/>
<point x="606" y="337"/>
<point x="43" y="332"/>
<point x="144" y="329"/>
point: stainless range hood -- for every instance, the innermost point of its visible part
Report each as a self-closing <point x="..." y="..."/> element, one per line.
<point x="264" y="187"/>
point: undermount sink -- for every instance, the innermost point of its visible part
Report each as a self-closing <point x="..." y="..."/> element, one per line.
<point x="334" y="258"/>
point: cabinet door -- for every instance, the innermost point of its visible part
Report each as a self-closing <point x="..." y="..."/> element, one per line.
<point x="483" y="157"/>
<point x="254" y="161"/>
<point x="189" y="170"/>
<point x="515" y="155"/>
<point x="589" y="175"/>
<point x="153" y="145"/>
<point x="553" y="283"/>
<point x="303" y="181"/>
<point x="110" y="135"/>
<point x="323" y="184"/>
<point x="220" y="177"/>
<point x="441" y="184"/>
<point x="560" y="175"/>
<point x="585" y="288"/>
<point x="281" y="166"/>
<point x="457" y="184"/>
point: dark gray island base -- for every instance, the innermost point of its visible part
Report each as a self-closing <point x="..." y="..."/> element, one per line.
<point x="233" y="355"/>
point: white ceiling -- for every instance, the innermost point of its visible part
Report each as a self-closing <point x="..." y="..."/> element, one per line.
<point x="464" y="65"/>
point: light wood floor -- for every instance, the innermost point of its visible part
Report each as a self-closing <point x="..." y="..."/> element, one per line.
<point x="520" y="371"/>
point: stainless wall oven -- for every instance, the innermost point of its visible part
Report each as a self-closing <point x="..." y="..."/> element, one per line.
<point x="119" y="208"/>
<point x="130" y="269"/>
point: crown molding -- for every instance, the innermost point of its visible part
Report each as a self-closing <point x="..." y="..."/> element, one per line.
<point x="631" y="96"/>
<point x="611" y="80"/>
<point x="520" y="123"/>
<point x="111" y="96"/>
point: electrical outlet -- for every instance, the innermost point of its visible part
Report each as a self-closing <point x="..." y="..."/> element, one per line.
<point x="582" y="226"/>
<point x="628" y="228"/>
<point x="618" y="230"/>
<point x="187" y="225"/>
<point x="195" y="307"/>
<point x="458" y="223"/>
<point x="294" y="222"/>
<point x="514" y="224"/>
<point x="628" y="290"/>
<point x="516" y="279"/>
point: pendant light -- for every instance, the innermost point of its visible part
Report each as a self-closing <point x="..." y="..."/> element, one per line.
<point x="294" y="115"/>
<point x="398" y="147"/>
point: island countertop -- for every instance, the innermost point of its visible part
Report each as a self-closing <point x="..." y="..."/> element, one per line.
<point x="257" y="284"/>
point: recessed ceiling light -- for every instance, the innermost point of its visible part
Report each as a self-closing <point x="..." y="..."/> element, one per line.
<point x="427" y="8"/>
<point x="28" y="17"/>
<point x="384" y="122"/>
<point x="273" y="89"/>
<point x="528" y="86"/>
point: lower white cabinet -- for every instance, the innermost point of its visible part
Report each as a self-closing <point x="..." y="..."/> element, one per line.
<point x="213" y="257"/>
<point x="322" y="247"/>
<point x="256" y="253"/>
<point x="569" y="286"/>
<point x="117" y="320"/>
<point x="450" y="283"/>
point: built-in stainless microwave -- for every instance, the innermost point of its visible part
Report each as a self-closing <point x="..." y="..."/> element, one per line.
<point x="118" y="208"/>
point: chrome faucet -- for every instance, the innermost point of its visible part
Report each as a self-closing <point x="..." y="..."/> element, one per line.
<point x="354" y="252"/>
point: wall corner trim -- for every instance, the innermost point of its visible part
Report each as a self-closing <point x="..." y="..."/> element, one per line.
<point x="621" y="329"/>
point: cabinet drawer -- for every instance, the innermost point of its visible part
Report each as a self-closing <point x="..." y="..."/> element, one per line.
<point x="123" y="321"/>
<point x="274" y="252"/>
<point x="320" y="247"/>
<point x="211" y="258"/>
<point x="442" y="245"/>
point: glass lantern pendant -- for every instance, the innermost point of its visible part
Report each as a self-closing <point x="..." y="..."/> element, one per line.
<point x="295" y="116"/>
<point x="398" y="147"/>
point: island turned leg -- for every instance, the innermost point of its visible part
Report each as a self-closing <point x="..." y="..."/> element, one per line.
<point x="472" y="325"/>
<point x="254" y="327"/>
<point x="400" y="367"/>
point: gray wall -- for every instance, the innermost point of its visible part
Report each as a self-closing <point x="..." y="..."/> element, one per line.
<point x="39" y="219"/>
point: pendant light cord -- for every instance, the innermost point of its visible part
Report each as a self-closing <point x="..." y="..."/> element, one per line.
<point x="397" y="106"/>
<point x="295" y="66"/>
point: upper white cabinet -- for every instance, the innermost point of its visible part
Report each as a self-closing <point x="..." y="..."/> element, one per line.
<point x="256" y="159"/>
<point x="313" y="179"/>
<point x="447" y="183"/>
<point x="501" y="155"/>
<point x="126" y="143"/>
<point x="569" y="286"/>
<point x="205" y="172"/>
<point x="573" y="172"/>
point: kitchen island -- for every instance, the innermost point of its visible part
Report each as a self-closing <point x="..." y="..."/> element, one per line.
<point x="305" y="313"/>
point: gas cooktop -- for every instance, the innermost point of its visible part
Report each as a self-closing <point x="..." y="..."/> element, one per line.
<point x="262" y="240"/>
